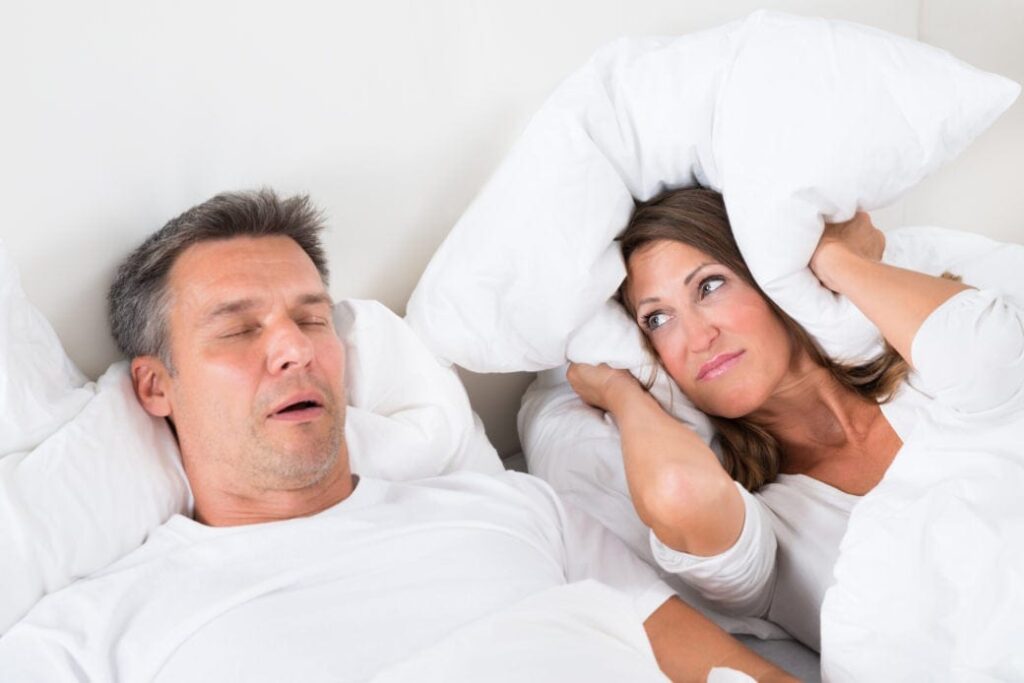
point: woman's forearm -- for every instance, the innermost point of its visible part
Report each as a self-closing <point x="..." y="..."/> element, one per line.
<point x="896" y="300"/>
<point x="678" y="486"/>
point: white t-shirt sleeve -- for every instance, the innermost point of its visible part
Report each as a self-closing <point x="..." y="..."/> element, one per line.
<point x="969" y="353"/>
<point x="740" y="580"/>
<point x="593" y="552"/>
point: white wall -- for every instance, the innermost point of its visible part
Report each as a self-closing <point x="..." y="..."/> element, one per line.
<point x="118" y="115"/>
<point x="982" y="190"/>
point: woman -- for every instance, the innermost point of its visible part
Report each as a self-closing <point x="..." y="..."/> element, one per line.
<point x="802" y="437"/>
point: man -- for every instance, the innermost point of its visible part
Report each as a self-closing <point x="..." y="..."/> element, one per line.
<point x="294" y="568"/>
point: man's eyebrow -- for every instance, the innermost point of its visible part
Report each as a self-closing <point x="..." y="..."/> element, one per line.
<point x="315" y="299"/>
<point x="229" y="308"/>
<point x="238" y="306"/>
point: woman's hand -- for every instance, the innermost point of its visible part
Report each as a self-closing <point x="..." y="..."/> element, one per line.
<point x="848" y="260"/>
<point x="600" y="385"/>
<point x="857" y="237"/>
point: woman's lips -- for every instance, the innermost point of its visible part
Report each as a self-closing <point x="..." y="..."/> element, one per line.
<point x="718" y="366"/>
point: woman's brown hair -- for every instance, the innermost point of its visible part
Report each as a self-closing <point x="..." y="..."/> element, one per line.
<point x="697" y="217"/>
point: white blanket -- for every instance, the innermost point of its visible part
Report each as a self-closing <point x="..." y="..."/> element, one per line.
<point x="928" y="582"/>
<point x="577" y="632"/>
<point x="929" y="573"/>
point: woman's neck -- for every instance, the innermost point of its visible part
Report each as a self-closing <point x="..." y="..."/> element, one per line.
<point x="811" y="414"/>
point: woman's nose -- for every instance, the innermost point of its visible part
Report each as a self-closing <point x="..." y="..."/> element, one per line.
<point x="700" y="333"/>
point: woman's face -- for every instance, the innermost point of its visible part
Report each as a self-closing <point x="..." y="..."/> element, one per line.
<point x="714" y="333"/>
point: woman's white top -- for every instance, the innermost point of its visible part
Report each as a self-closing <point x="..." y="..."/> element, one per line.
<point x="781" y="565"/>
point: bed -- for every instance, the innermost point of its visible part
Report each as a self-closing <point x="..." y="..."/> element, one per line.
<point x="391" y="115"/>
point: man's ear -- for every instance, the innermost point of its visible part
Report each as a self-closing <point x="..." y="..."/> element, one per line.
<point x="152" y="384"/>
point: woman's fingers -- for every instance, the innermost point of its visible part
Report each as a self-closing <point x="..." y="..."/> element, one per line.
<point x="856" y="237"/>
<point x="595" y="384"/>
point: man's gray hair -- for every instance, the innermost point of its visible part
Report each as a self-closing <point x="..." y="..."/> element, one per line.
<point x="139" y="299"/>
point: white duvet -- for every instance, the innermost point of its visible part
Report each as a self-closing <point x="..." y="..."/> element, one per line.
<point x="929" y="575"/>
<point x="578" y="632"/>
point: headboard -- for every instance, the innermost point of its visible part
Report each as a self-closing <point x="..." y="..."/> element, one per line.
<point x="119" y="115"/>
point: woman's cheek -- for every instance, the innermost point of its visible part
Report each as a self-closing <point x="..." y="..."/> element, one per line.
<point x="672" y="358"/>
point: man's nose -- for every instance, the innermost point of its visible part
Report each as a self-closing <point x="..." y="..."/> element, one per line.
<point x="289" y="348"/>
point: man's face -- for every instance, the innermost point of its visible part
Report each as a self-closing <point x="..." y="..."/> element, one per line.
<point x="256" y="394"/>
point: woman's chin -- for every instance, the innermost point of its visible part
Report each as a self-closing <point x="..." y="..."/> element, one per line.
<point x="730" y="407"/>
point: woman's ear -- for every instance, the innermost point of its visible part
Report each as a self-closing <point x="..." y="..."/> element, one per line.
<point x="152" y="384"/>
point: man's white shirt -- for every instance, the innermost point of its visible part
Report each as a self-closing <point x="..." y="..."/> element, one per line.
<point x="337" y="596"/>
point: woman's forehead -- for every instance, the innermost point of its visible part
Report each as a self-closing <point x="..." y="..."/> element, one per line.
<point x="663" y="263"/>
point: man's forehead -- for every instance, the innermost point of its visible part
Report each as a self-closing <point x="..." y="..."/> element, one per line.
<point x="242" y="270"/>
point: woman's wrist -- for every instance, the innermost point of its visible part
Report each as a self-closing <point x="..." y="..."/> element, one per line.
<point x="833" y="263"/>
<point x="621" y="392"/>
<point x="845" y="250"/>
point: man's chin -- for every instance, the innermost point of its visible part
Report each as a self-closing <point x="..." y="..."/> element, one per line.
<point x="296" y="466"/>
<point x="294" y="473"/>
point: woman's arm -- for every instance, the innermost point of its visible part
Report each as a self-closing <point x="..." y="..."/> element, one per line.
<point x="848" y="261"/>
<point x="687" y="645"/>
<point x="967" y="350"/>
<point x="678" y="487"/>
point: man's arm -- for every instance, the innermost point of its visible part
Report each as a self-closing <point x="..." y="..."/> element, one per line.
<point x="688" y="645"/>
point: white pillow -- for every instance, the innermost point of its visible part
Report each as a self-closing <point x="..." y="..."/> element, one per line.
<point x="794" y="119"/>
<point x="818" y="119"/>
<point x="85" y="496"/>
<point x="409" y="416"/>
<point x="93" y="490"/>
<point x="40" y="388"/>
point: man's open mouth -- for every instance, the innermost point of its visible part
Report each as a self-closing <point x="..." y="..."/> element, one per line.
<point x="301" y="405"/>
<point x="308" y="404"/>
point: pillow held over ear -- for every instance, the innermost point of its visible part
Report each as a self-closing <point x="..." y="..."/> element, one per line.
<point x="795" y="120"/>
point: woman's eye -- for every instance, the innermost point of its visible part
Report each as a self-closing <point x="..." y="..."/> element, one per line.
<point x="653" y="321"/>
<point x="710" y="284"/>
